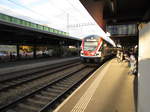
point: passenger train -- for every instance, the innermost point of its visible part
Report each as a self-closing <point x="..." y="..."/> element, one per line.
<point x="95" y="49"/>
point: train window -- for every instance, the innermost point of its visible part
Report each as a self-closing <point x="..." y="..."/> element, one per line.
<point x="93" y="43"/>
<point x="90" y="45"/>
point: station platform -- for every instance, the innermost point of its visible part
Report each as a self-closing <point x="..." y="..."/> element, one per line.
<point x="30" y="64"/>
<point x="109" y="89"/>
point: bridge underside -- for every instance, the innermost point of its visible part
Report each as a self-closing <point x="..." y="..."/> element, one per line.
<point x="119" y="12"/>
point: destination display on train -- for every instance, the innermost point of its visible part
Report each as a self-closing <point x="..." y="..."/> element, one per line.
<point x="91" y="39"/>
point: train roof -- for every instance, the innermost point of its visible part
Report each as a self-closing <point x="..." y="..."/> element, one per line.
<point x="89" y="36"/>
<point x="107" y="39"/>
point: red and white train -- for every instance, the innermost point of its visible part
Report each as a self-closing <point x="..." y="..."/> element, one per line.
<point x="95" y="49"/>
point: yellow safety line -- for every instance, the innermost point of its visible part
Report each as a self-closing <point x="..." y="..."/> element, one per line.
<point x="85" y="99"/>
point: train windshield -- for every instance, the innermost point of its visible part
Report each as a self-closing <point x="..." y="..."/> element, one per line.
<point x="90" y="46"/>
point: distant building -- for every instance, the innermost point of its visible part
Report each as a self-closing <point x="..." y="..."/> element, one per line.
<point x="8" y="48"/>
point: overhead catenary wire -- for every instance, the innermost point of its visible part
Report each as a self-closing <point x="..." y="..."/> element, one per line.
<point x="71" y="16"/>
<point x="78" y="11"/>
<point x="45" y="17"/>
<point x="26" y="8"/>
<point x="39" y="14"/>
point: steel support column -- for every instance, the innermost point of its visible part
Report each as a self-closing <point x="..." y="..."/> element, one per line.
<point x="18" y="52"/>
<point x="34" y="51"/>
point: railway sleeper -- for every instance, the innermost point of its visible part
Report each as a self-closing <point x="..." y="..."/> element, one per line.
<point x="10" y="83"/>
<point x="26" y="108"/>
<point x="35" y="103"/>
<point x="57" y="91"/>
<point x="75" y="78"/>
<point x="63" y="86"/>
<point x="19" y="110"/>
<point x="49" y="94"/>
<point x="4" y="86"/>
<point x="21" y="80"/>
<point x="66" y="82"/>
<point x="58" y="87"/>
<point x="69" y="80"/>
<point x="43" y="97"/>
<point x="41" y="102"/>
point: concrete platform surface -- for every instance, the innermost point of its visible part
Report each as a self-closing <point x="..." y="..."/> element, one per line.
<point x="109" y="89"/>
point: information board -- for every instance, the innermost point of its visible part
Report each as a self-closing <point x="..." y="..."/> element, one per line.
<point x="130" y="29"/>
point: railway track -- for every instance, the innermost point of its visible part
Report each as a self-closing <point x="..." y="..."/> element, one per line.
<point x="19" y="86"/>
<point x="44" y="97"/>
<point x="13" y="82"/>
<point x="21" y="73"/>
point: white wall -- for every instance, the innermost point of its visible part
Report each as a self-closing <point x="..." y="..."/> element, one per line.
<point x="144" y="69"/>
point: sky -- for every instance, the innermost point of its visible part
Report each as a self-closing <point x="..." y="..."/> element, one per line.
<point x="65" y="15"/>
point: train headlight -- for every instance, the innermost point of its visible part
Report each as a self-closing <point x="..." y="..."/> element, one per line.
<point x="81" y="53"/>
<point x="92" y="53"/>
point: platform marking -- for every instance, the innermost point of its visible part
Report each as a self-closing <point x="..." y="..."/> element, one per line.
<point x="85" y="99"/>
<point x="66" y="100"/>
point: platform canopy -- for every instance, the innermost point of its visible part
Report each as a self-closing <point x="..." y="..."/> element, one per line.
<point x="118" y="11"/>
<point x="109" y="13"/>
<point x="13" y="33"/>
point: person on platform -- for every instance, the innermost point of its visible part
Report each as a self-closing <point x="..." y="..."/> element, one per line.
<point x="118" y="56"/>
<point x="132" y="64"/>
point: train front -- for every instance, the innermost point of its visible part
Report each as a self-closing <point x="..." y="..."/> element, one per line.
<point x="91" y="46"/>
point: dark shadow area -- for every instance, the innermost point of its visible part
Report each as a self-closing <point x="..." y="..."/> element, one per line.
<point x="135" y="87"/>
